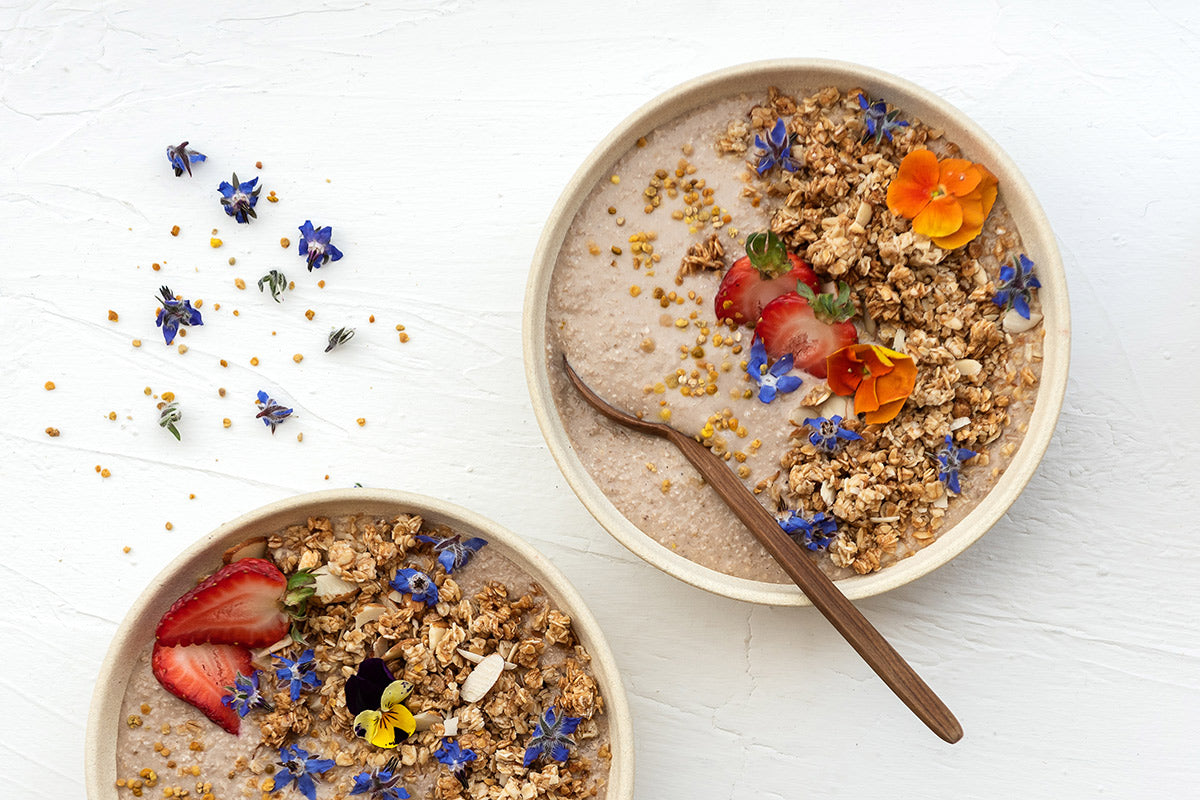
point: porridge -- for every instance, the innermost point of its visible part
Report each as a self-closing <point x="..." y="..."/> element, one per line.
<point x="417" y="664"/>
<point x="868" y="372"/>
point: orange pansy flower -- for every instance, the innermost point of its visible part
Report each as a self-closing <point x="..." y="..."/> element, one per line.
<point x="947" y="200"/>
<point x="880" y="379"/>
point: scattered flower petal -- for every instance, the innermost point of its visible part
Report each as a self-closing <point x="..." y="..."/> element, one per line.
<point x="551" y="737"/>
<point x="453" y="552"/>
<point x="316" y="247"/>
<point x="271" y="412"/>
<point x="774" y="381"/>
<point x="182" y="157"/>
<point x="418" y="584"/>
<point x="239" y="199"/>
<point x="299" y="674"/>
<point x="175" y="313"/>
<point x="1016" y="286"/>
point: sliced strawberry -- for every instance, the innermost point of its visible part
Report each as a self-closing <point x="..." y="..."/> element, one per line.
<point x="241" y="603"/>
<point x="745" y="291"/>
<point x="788" y="325"/>
<point x="198" y="674"/>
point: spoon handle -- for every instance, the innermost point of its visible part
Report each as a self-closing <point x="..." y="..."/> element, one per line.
<point x="828" y="599"/>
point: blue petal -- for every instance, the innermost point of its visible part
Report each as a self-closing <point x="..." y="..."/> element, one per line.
<point x="1021" y="305"/>
<point x="779" y="134"/>
<point x="532" y="754"/>
<point x="788" y="383"/>
<point x="782" y="366"/>
<point x="304" y="783"/>
<point x="307" y="230"/>
<point x="569" y="725"/>
<point x="1026" y="264"/>
<point x="446" y="559"/>
<point x="766" y="393"/>
<point x="333" y="253"/>
<point x="193" y="156"/>
<point x="1001" y="298"/>
<point x="845" y="434"/>
<point x="559" y="752"/>
<point x="226" y="189"/>
<point x="1007" y="274"/>
<point x="862" y="102"/>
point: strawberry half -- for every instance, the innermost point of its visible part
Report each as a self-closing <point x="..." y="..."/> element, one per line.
<point x="241" y="604"/>
<point x="198" y="674"/>
<point x="788" y="325"/>
<point x="767" y="271"/>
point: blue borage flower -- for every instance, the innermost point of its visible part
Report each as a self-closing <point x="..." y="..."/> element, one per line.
<point x="418" y="584"/>
<point x="453" y="552"/>
<point x="951" y="457"/>
<point x="244" y="695"/>
<point x="182" y="157"/>
<point x="376" y="699"/>
<point x="551" y="737"/>
<point x="271" y="412"/>
<point x="316" y="247"/>
<point x="382" y="784"/>
<point x="299" y="767"/>
<point x="1016" y="286"/>
<point x="239" y="199"/>
<point x="816" y="532"/>
<point x="777" y="149"/>
<point x="771" y="381"/>
<point x="828" y="434"/>
<point x="299" y="674"/>
<point x="879" y="121"/>
<point x="175" y="313"/>
<point x="454" y="757"/>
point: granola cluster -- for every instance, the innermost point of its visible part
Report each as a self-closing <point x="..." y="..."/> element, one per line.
<point x="435" y="648"/>
<point x="931" y="303"/>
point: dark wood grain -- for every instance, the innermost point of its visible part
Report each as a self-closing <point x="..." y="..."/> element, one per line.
<point x="825" y="596"/>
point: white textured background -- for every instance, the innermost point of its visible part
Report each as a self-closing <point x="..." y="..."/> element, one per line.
<point x="1066" y="640"/>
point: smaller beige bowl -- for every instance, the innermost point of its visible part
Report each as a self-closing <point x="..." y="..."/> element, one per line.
<point x="805" y="76"/>
<point x="137" y="630"/>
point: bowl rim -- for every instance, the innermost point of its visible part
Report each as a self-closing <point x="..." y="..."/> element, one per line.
<point x="1036" y="234"/>
<point x="202" y="556"/>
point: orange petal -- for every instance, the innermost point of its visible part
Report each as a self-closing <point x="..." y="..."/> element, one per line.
<point x="976" y="208"/>
<point x="941" y="217"/>
<point x="845" y="371"/>
<point x="915" y="181"/>
<point x="885" y="413"/>
<point x="866" y="399"/>
<point x="959" y="176"/>
<point x="897" y="384"/>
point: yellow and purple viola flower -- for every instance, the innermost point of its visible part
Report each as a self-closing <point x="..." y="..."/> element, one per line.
<point x="951" y="458"/>
<point x="299" y="767"/>
<point x="453" y="552"/>
<point x="316" y="247"/>
<point x="175" y="313"/>
<point x="182" y="157"/>
<point x="416" y="583"/>
<point x="815" y="533"/>
<point x="552" y="737"/>
<point x="239" y="199"/>
<point x="299" y="674"/>
<point x="376" y="699"/>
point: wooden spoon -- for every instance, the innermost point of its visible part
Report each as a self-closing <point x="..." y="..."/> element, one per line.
<point x="828" y="599"/>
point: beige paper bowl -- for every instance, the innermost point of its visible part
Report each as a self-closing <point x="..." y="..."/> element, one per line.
<point x="136" y="632"/>
<point x="805" y="76"/>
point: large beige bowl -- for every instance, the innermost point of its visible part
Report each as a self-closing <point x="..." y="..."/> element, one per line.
<point x="137" y="630"/>
<point x="806" y="76"/>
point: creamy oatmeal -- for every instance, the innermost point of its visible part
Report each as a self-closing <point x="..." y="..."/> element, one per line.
<point x="631" y="305"/>
<point x="488" y="612"/>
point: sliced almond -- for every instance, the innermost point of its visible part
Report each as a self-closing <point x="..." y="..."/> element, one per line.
<point x="426" y="720"/>
<point x="475" y="658"/>
<point x="482" y="678"/>
<point x="900" y="341"/>
<point x="368" y="613"/>
<point x="968" y="367"/>
<point x="251" y="548"/>
<point x="1015" y="323"/>
<point x="330" y="588"/>
<point x="437" y="632"/>
<point x="959" y="422"/>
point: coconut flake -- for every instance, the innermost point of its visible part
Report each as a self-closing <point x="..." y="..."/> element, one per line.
<point x="482" y="678"/>
<point x="899" y="341"/>
<point x="827" y="493"/>
<point x="426" y="720"/>
<point x="959" y="422"/>
<point x="475" y="658"/>
<point x="436" y="634"/>
<point x="1015" y="323"/>
<point x="251" y="548"/>
<point x="450" y="727"/>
